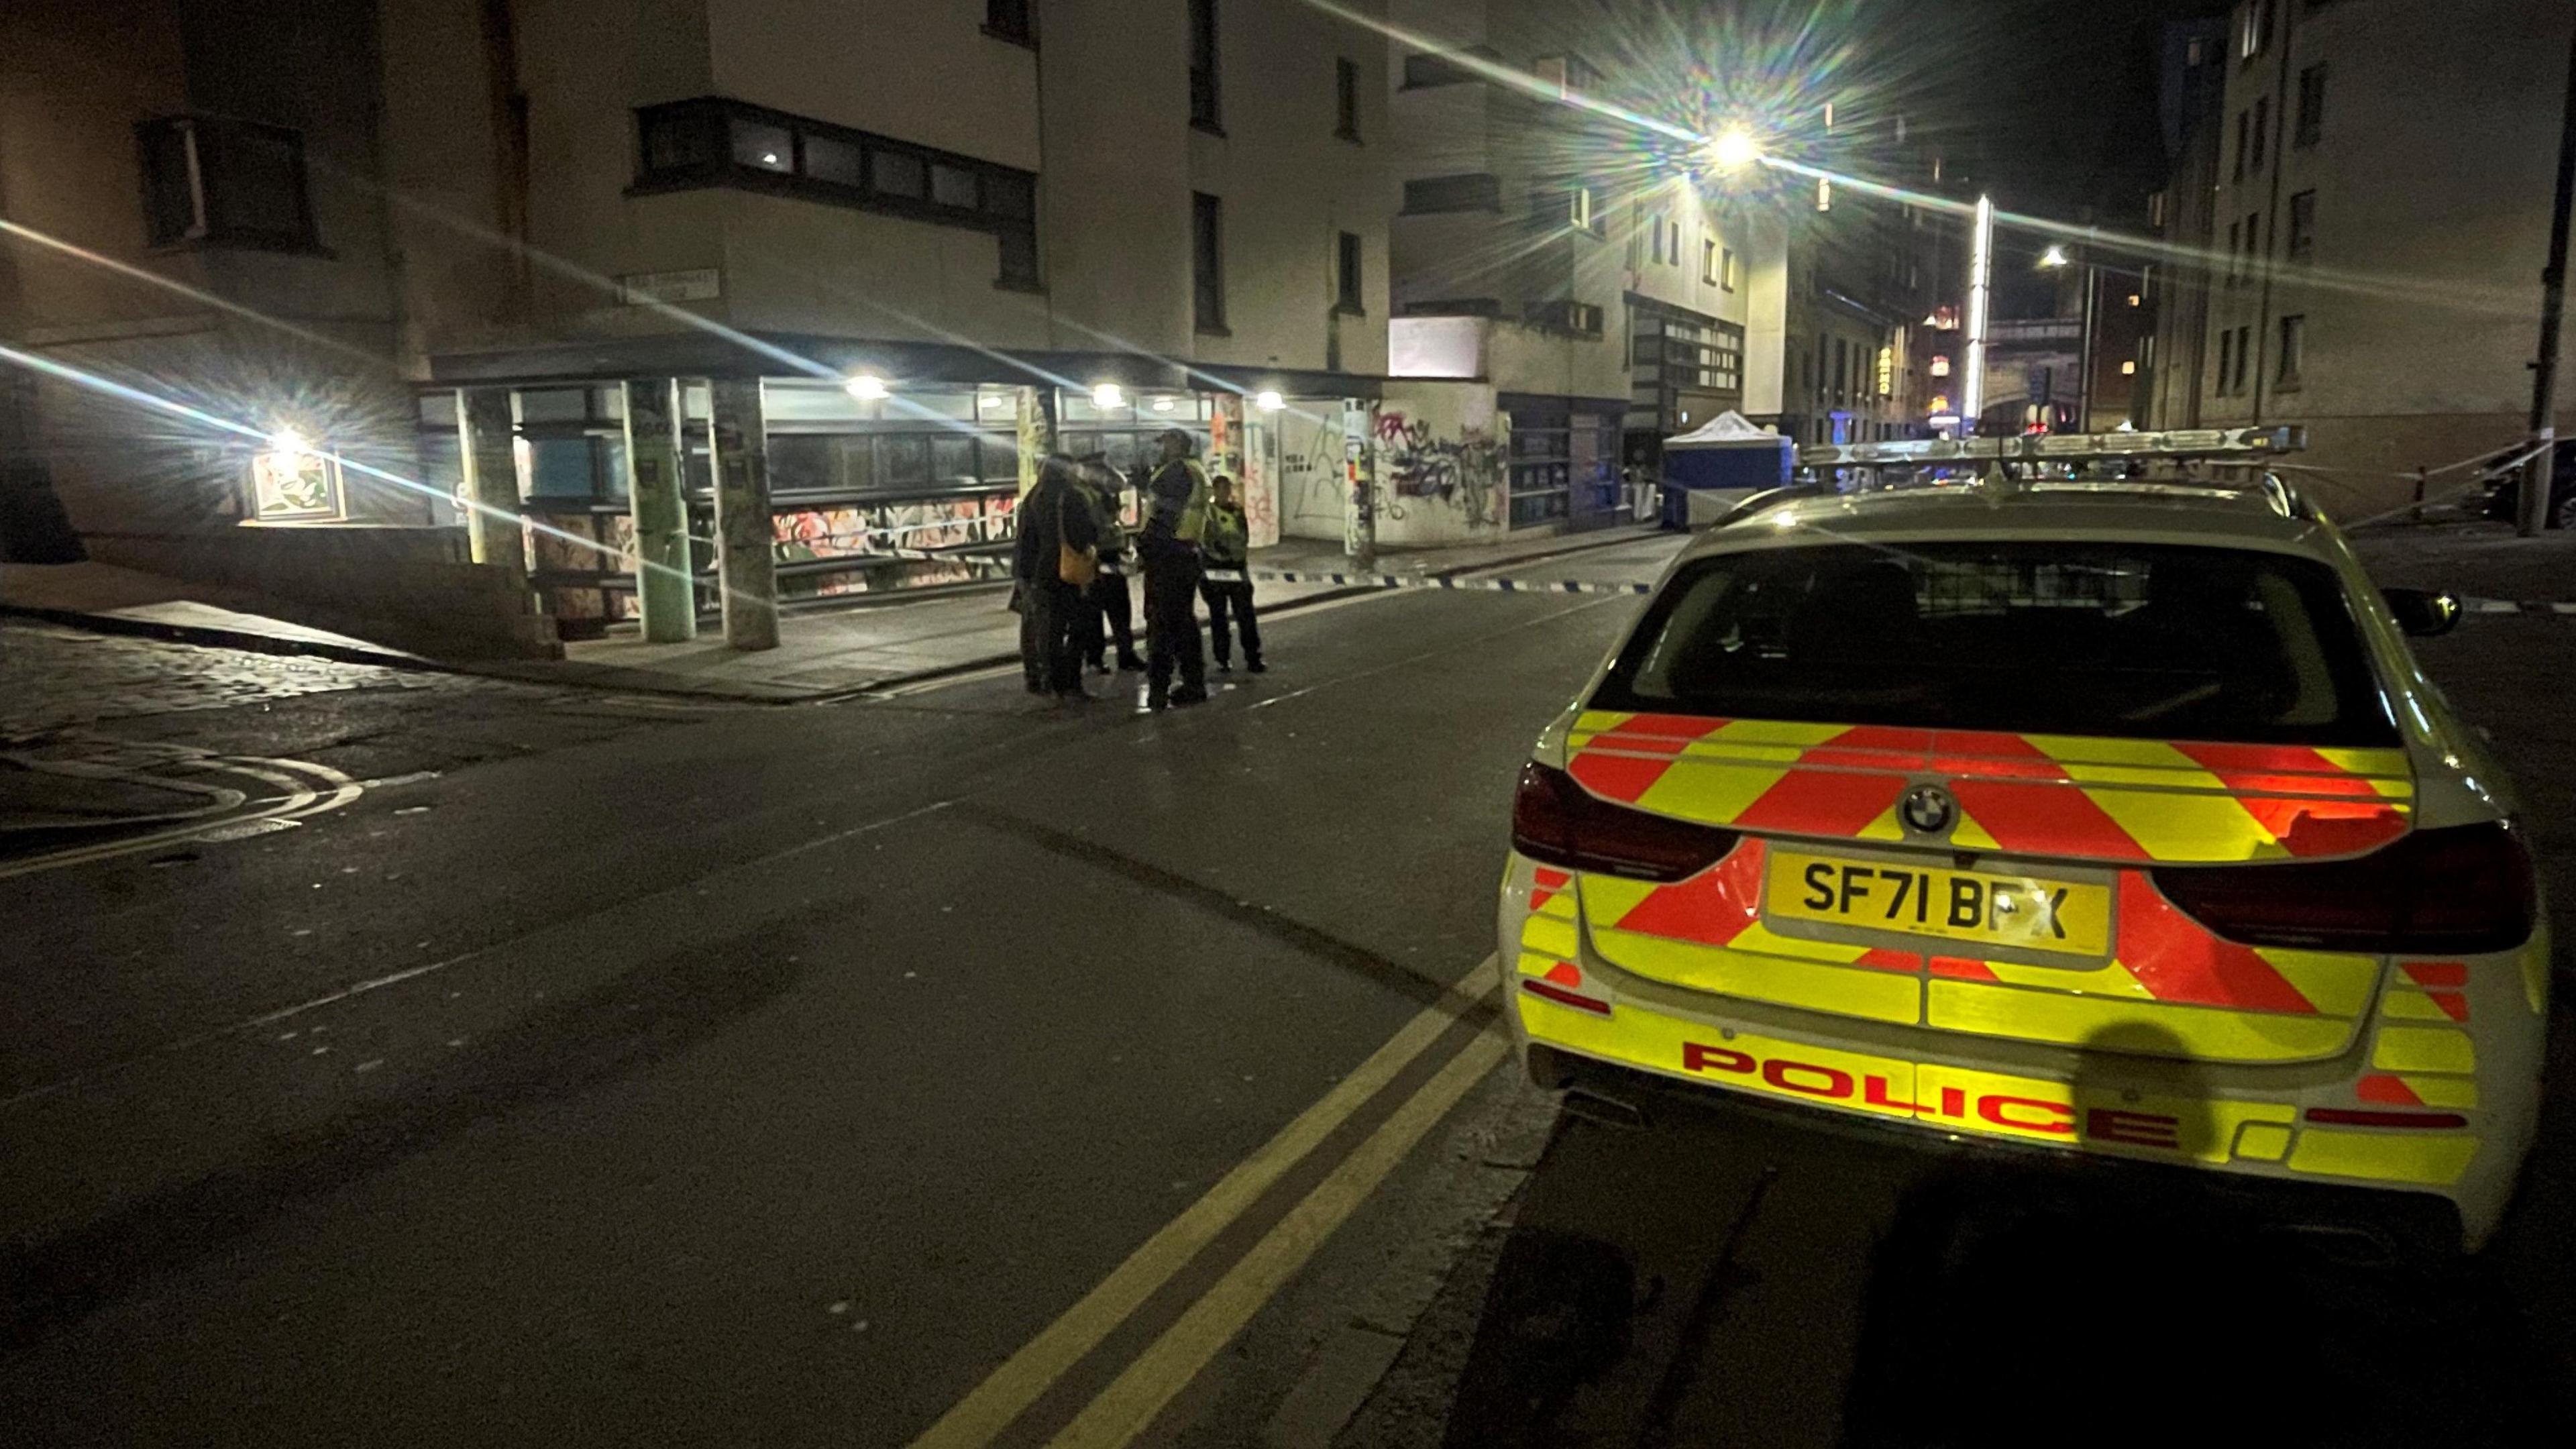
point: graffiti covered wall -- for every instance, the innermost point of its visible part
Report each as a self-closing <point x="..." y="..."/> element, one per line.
<point x="1443" y="450"/>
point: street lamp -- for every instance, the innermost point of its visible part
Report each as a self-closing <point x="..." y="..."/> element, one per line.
<point x="2055" y="259"/>
<point x="1734" y="149"/>
<point x="866" y="387"/>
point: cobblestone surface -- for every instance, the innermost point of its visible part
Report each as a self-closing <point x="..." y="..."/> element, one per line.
<point x="54" y="678"/>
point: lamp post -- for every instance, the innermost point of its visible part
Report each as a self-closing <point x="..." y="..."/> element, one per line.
<point x="1981" y="275"/>
<point x="2055" y="258"/>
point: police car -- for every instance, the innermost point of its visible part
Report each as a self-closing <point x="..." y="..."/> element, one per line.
<point x="2109" y="817"/>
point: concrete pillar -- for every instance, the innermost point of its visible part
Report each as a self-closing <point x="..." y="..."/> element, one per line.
<point x="487" y="447"/>
<point x="1037" y="433"/>
<point x="1261" y="478"/>
<point x="746" y="560"/>
<point x="1359" y="470"/>
<point x="656" y="471"/>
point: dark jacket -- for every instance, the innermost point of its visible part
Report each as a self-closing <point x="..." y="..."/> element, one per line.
<point x="1053" y="514"/>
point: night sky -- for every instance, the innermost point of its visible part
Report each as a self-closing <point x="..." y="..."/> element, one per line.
<point x="2054" y="98"/>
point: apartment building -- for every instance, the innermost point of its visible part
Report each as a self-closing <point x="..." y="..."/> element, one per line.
<point x="2371" y="197"/>
<point x="1565" y="294"/>
<point x="892" y="248"/>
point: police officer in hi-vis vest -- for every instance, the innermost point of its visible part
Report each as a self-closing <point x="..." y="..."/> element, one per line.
<point x="1176" y="507"/>
<point x="1223" y="579"/>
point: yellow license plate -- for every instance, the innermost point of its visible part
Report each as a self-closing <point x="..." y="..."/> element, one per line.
<point x="1986" y="908"/>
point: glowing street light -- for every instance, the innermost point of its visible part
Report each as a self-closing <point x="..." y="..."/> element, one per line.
<point x="1269" y="400"/>
<point x="287" y="442"/>
<point x="866" y="387"/>
<point x="1734" y="149"/>
<point x="1108" y="395"/>
<point x="2055" y="256"/>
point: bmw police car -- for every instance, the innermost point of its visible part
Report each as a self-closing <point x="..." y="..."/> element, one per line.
<point x="2110" y="817"/>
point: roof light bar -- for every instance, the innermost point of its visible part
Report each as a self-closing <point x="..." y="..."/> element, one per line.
<point x="2248" y="443"/>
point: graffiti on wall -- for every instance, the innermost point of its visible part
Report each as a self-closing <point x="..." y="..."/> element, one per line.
<point x="1464" y="472"/>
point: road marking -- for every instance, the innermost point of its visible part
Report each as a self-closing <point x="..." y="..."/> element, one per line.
<point x="1008" y="1391"/>
<point x="1128" y="1406"/>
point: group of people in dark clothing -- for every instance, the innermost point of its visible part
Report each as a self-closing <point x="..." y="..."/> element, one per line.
<point x="1074" y="558"/>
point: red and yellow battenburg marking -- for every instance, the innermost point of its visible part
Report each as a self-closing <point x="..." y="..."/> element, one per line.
<point x="2072" y="797"/>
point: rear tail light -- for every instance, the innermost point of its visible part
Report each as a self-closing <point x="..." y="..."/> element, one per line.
<point x="1557" y="821"/>
<point x="2450" y="892"/>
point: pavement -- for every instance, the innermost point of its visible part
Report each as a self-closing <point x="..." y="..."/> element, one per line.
<point x="529" y="1063"/>
<point x="840" y="648"/>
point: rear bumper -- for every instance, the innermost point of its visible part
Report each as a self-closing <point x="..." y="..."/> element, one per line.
<point x="2246" y="1121"/>
<point x="2400" y="1223"/>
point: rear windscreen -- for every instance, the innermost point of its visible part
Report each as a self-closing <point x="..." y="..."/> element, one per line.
<point x="2140" y="641"/>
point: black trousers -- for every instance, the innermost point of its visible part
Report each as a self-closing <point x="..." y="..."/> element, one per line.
<point x="1113" y="605"/>
<point x="1172" y="614"/>
<point x="1231" y="596"/>
<point x="1050" y="618"/>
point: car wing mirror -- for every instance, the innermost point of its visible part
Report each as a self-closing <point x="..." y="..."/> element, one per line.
<point x="2423" y="612"/>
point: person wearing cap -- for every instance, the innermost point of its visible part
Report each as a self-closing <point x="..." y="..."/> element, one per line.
<point x="1176" y="509"/>
<point x="1223" y="579"/>
<point x="1109" y="607"/>
<point x="1056" y="534"/>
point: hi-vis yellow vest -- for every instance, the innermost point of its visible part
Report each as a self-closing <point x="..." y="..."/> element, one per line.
<point x="1193" y="519"/>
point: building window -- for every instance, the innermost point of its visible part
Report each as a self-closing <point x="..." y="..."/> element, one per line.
<point x="1203" y="91"/>
<point x="1346" y="99"/>
<point x="1424" y="69"/>
<point x="2156" y="210"/>
<point x="2244" y="122"/>
<point x="1727" y="274"/>
<point x="2301" y="246"/>
<point x="2256" y="35"/>
<point x="2294" y="352"/>
<point x="688" y="145"/>
<point x="2262" y="132"/>
<point x="225" y="183"/>
<point x="1708" y="262"/>
<point x="1207" y="260"/>
<point x="1349" y="293"/>
<point x="1568" y="203"/>
<point x="1009" y="20"/>
<point x="2312" y="106"/>
<point x="1470" y="191"/>
<point x="1655" y="225"/>
<point x="1572" y="75"/>
<point x="2226" y="359"/>
<point x="2244" y="356"/>
<point x="1673" y="253"/>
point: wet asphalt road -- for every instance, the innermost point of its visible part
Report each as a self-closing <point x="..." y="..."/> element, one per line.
<point x="745" y="1075"/>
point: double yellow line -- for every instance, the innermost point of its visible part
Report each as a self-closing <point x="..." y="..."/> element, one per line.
<point x="1124" y="1409"/>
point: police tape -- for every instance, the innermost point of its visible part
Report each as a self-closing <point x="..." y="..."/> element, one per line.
<point x="1429" y="581"/>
